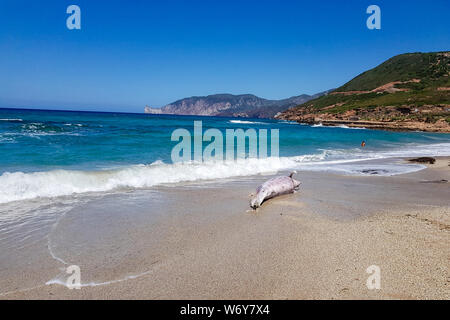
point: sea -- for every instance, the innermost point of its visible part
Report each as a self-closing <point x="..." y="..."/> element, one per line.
<point x="47" y="154"/>
<point x="101" y="192"/>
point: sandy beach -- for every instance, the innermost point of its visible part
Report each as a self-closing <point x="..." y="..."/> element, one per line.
<point x="204" y="242"/>
<point x="179" y="152"/>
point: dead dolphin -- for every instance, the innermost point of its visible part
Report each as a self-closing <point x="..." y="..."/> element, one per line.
<point x="274" y="187"/>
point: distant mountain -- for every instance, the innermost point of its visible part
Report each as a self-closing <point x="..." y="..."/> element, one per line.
<point x="228" y="105"/>
<point x="407" y="92"/>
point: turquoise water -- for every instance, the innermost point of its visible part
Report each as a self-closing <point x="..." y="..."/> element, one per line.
<point x="52" y="153"/>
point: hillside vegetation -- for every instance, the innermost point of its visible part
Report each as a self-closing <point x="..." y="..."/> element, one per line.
<point x="408" y="91"/>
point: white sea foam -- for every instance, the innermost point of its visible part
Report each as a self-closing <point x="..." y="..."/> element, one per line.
<point x="12" y="120"/>
<point x="288" y="122"/>
<point x="342" y="126"/>
<point x="357" y="128"/>
<point x="21" y="186"/>
<point x="246" y="122"/>
<point x="6" y="140"/>
<point x="60" y="282"/>
<point x="73" y="124"/>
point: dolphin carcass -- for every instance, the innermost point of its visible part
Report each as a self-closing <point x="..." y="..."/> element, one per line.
<point x="273" y="188"/>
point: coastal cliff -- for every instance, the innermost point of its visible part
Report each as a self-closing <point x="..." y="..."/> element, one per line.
<point x="228" y="105"/>
<point x="407" y="92"/>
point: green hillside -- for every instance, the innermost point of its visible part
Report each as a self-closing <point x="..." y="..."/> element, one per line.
<point x="432" y="68"/>
<point x="412" y="87"/>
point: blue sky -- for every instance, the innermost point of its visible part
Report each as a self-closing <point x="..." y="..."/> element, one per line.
<point x="129" y="54"/>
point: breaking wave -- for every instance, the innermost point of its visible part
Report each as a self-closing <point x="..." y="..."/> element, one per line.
<point x="21" y="186"/>
<point x="12" y="120"/>
<point x="342" y="126"/>
<point x="246" y="122"/>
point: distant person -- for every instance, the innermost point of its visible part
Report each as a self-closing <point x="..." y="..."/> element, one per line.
<point x="363" y="144"/>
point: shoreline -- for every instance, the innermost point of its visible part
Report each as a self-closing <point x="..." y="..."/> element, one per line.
<point x="26" y="186"/>
<point x="314" y="244"/>
<point x="377" y="125"/>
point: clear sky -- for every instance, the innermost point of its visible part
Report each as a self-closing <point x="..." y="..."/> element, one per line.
<point x="129" y="54"/>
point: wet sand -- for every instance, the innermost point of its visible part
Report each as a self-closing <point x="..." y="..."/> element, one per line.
<point x="205" y="243"/>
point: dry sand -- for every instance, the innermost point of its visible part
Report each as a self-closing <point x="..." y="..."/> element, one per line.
<point x="314" y="244"/>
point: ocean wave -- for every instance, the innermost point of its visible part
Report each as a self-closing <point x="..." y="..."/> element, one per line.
<point x="7" y="140"/>
<point x="288" y="122"/>
<point x="12" y="120"/>
<point x="73" y="124"/>
<point x="38" y="129"/>
<point x="21" y="186"/>
<point x="246" y="122"/>
<point x="342" y="126"/>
